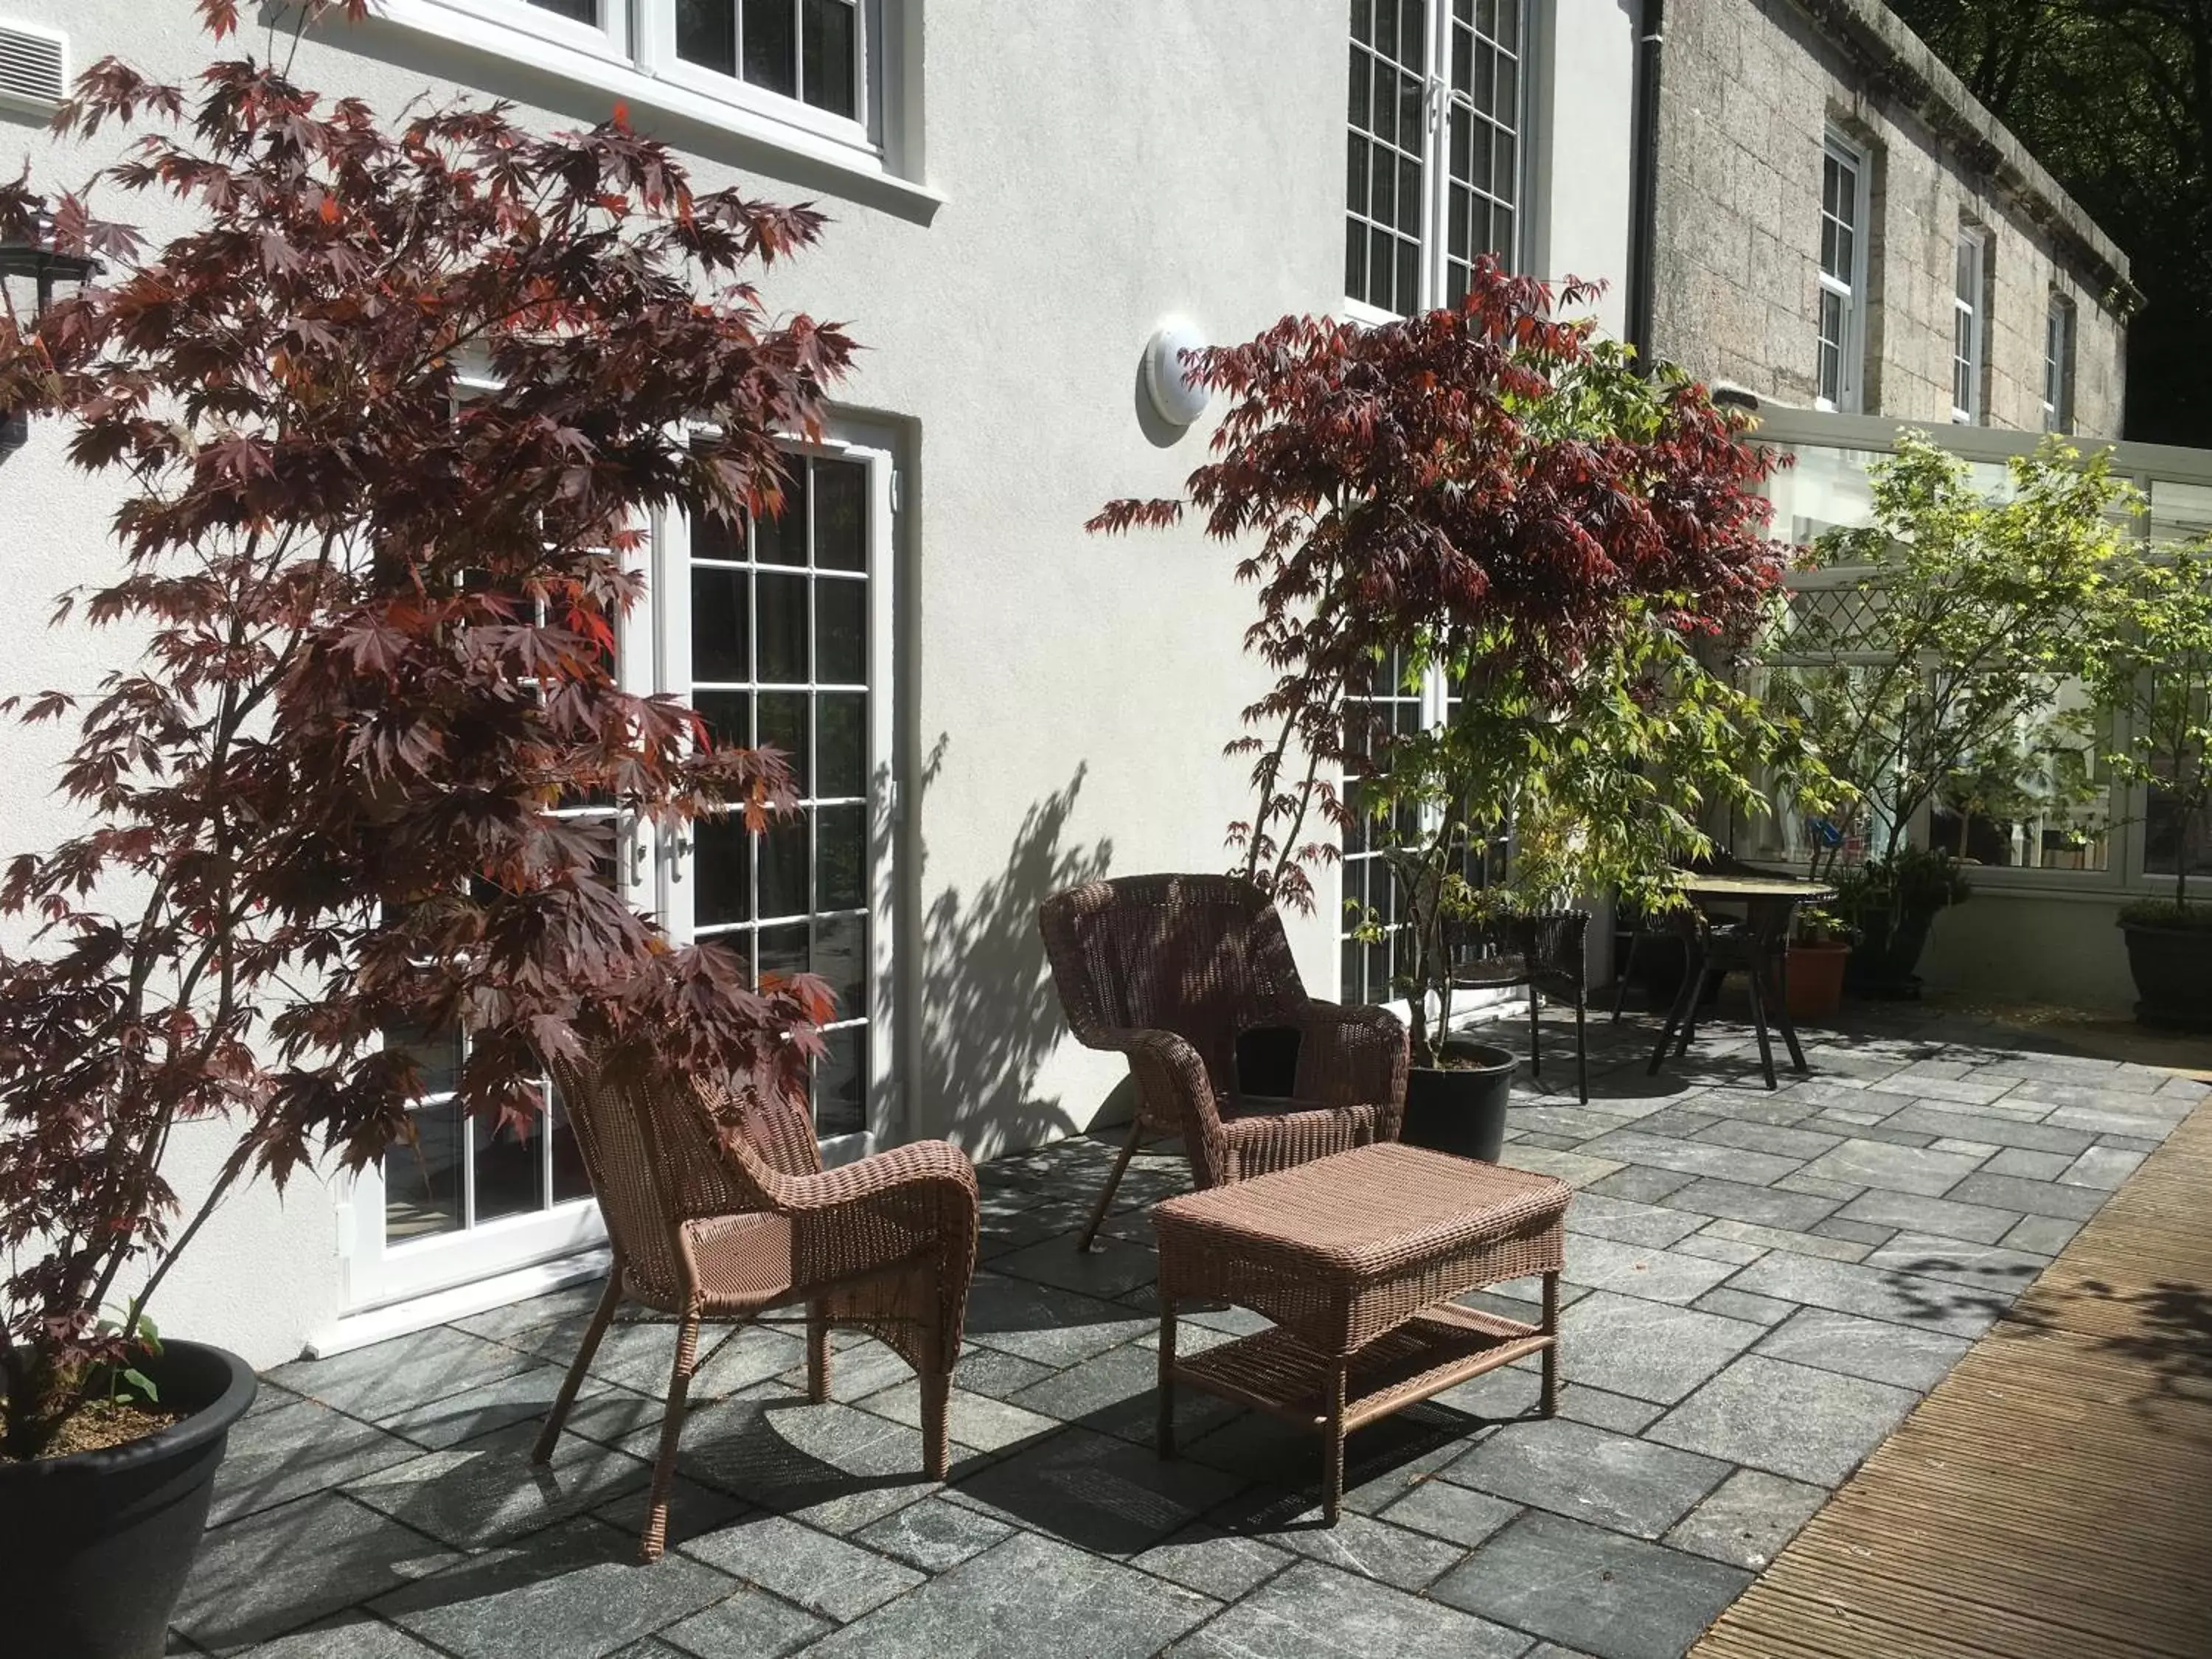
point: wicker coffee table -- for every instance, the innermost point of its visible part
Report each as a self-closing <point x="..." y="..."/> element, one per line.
<point x="1356" y="1258"/>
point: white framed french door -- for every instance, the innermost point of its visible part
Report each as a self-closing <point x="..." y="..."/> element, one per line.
<point x="781" y="633"/>
<point x="778" y="633"/>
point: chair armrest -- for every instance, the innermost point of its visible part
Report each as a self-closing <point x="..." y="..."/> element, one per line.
<point x="1175" y="1094"/>
<point x="1351" y="1056"/>
<point x="879" y="1212"/>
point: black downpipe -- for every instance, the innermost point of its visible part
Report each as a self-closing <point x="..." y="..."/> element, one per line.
<point x="1644" y="183"/>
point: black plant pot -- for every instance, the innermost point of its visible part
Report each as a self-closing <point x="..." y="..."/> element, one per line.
<point x="1882" y="962"/>
<point x="1461" y="1109"/>
<point x="2173" y="969"/>
<point x="97" y="1546"/>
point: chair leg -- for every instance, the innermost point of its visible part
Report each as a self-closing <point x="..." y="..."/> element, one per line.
<point x="1112" y="1181"/>
<point x="1582" y="1049"/>
<point x="817" y="1351"/>
<point x="1332" y="1482"/>
<point x="1548" y="1403"/>
<point x="1685" y="1000"/>
<point x="1620" y="974"/>
<point x="610" y="1298"/>
<point x="936" y="1423"/>
<point x="1535" y="1037"/>
<point x="655" y="1541"/>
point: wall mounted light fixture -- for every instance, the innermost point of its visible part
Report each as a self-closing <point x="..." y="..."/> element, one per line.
<point x="1178" y="398"/>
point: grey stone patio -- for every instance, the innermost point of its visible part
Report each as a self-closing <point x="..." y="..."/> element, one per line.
<point x="1760" y="1286"/>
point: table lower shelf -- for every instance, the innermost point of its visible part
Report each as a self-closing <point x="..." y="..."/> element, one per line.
<point x="1273" y="1372"/>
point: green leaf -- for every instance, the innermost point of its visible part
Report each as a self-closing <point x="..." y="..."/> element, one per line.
<point x="144" y="1384"/>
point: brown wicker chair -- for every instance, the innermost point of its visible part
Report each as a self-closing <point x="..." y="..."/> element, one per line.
<point x="1171" y="970"/>
<point x="1543" y="950"/>
<point x="716" y="1212"/>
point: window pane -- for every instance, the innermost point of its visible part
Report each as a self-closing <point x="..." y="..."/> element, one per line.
<point x="722" y="863"/>
<point x="840" y="740"/>
<point x="1355" y="260"/>
<point x="841" y="857"/>
<point x="840" y="515"/>
<point x="1355" y="176"/>
<point x="1362" y="19"/>
<point x="729" y="717"/>
<point x="830" y="54"/>
<point x="706" y="35"/>
<point x="1409" y="270"/>
<point x="782" y="626"/>
<point x="437" y="1057"/>
<point x="721" y="649"/>
<point x="785" y="886"/>
<point x="783" y="951"/>
<point x="581" y="11"/>
<point x="841" y="957"/>
<point x="782" y="539"/>
<point x="783" y="723"/>
<point x="841" y="1083"/>
<point x="422" y="1183"/>
<point x="570" y="1178"/>
<point x="510" y="1169"/>
<point x="772" y="45"/>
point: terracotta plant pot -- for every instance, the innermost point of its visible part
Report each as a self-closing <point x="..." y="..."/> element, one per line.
<point x="98" y="1544"/>
<point x="1816" y="980"/>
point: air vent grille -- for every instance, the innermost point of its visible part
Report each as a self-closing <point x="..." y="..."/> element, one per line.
<point x="33" y="69"/>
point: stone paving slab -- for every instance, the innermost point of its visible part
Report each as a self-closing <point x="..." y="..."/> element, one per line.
<point x="1760" y="1285"/>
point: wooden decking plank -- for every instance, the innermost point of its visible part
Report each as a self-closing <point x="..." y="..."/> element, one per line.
<point x="2052" y="1497"/>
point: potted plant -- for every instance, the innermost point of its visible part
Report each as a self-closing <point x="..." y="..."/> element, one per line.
<point x="1492" y="494"/>
<point x="2152" y="678"/>
<point x="1917" y="646"/>
<point x="1889" y="905"/>
<point x="1820" y="945"/>
<point x="375" y="609"/>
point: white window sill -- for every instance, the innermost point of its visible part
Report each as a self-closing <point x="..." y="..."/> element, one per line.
<point x="860" y="166"/>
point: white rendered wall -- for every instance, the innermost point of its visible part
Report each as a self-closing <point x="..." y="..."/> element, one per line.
<point x="1586" y="129"/>
<point x="1064" y="698"/>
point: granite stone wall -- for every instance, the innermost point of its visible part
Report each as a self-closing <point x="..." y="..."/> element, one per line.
<point x="1751" y="88"/>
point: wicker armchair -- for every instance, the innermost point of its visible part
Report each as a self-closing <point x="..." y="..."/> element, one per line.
<point x="1171" y="970"/>
<point x="719" y="1212"/>
<point x="1544" y="951"/>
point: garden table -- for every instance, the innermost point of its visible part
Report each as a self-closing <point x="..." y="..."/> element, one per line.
<point x="1357" y="1258"/>
<point x="1760" y="947"/>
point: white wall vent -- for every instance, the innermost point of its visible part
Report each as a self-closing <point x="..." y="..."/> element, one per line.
<point x="34" y="67"/>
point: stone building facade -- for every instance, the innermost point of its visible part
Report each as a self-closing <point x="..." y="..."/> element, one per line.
<point x="1842" y="224"/>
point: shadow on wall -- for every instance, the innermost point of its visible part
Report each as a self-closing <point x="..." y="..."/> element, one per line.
<point x="989" y="1015"/>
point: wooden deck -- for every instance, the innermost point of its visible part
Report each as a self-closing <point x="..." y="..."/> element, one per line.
<point x="2052" y="1498"/>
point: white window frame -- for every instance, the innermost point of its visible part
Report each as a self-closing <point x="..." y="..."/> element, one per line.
<point x="631" y="56"/>
<point x="2057" y="395"/>
<point x="1436" y="158"/>
<point x="1851" y="289"/>
<point x="1968" y="309"/>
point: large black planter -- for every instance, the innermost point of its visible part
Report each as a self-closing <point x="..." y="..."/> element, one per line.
<point x="2172" y="968"/>
<point x="1461" y="1109"/>
<point x="1883" y="961"/>
<point x="97" y="1546"/>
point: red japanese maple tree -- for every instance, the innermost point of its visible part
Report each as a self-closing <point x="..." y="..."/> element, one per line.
<point x="1493" y="489"/>
<point x="378" y="607"/>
